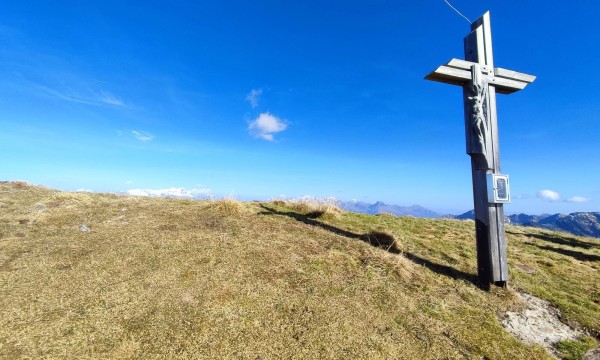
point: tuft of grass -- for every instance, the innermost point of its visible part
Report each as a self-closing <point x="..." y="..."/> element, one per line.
<point x="388" y="215"/>
<point x="383" y="239"/>
<point x="20" y="184"/>
<point x="227" y="206"/>
<point x="70" y="199"/>
<point x="313" y="207"/>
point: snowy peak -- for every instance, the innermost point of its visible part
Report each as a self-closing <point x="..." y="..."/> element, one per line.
<point x="195" y="193"/>
<point x="381" y="207"/>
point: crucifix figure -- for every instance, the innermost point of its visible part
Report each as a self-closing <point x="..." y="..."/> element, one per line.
<point x="480" y="82"/>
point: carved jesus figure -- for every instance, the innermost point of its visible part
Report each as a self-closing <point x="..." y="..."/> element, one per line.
<point x="479" y="125"/>
<point x="479" y="122"/>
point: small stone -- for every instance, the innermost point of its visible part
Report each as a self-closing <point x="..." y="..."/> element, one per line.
<point x="84" y="228"/>
<point x="526" y="268"/>
<point x="592" y="354"/>
<point x="39" y="207"/>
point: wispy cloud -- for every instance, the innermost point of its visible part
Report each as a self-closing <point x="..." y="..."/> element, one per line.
<point x="51" y="75"/>
<point x="266" y="125"/>
<point x="521" y="196"/>
<point x="142" y="135"/>
<point x="194" y="193"/>
<point x="65" y="95"/>
<point x="110" y="99"/>
<point x="88" y="97"/>
<point x="548" y="195"/>
<point x="254" y="96"/>
<point x="577" y="199"/>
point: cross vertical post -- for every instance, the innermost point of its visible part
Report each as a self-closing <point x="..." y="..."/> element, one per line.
<point x="480" y="82"/>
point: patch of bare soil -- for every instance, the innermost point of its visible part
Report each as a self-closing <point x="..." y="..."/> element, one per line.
<point x="539" y="323"/>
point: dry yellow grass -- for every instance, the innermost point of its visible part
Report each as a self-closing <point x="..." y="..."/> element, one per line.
<point x="167" y="278"/>
<point x="313" y="207"/>
<point x="227" y="206"/>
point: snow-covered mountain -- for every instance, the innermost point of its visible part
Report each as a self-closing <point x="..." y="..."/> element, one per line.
<point x="195" y="193"/>
<point x="381" y="207"/>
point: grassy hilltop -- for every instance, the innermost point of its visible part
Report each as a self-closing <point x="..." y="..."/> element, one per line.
<point x="87" y="275"/>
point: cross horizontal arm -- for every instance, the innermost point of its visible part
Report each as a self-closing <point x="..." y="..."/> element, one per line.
<point x="457" y="72"/>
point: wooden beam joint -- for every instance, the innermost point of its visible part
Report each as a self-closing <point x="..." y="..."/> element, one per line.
<point x="458" y="72"/>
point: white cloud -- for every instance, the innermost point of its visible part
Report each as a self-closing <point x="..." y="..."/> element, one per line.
<point x="266" y="125"/>
<point x="254" y="96"/>
<point x="84" y="190"/>
<point x="577" y="199"/>
<point x="548" y="195"/>
<point x="142" y="136"/>
<point x="195" y="193"/>
<point x="128" y="182"/>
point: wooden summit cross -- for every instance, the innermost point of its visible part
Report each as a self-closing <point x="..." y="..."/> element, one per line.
<point x="480" y="82"/>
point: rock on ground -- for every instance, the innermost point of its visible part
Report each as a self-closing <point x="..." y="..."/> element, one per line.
<point x="593" y="354"/>
<point x="539" y="323"/>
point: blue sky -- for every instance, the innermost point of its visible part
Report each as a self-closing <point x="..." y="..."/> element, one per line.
<point x="262" y="99"/>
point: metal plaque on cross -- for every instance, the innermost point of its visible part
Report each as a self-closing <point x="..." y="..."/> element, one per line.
<point x="481" y="81"/>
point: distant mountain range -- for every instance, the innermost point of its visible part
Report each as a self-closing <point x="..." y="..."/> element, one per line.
<point x="578" y="223"/>
<point x="380" y="207"/>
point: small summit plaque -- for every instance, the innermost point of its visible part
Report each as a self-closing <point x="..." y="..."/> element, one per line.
<point x="498" y="189"/>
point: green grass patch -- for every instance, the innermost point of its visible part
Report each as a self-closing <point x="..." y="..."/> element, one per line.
<point x="575" y="349"/>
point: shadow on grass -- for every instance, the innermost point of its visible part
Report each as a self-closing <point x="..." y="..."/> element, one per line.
<point x="578" y="255"/>
<point x="309" y="219"/>
<point x="374" y="238"/>
<point x="380" y="240"/>
<point x="568" y="241"/>
<point x="443" y="269"/>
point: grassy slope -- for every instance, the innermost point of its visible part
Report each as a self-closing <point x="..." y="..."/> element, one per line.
<point x="164" y="278"/>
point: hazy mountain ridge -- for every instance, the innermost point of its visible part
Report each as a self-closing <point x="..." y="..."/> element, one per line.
<point x="381" y="207"/>
<point x="577" y="223"/>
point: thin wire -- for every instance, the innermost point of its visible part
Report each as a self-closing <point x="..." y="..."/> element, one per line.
<point x="458" y="12"/>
